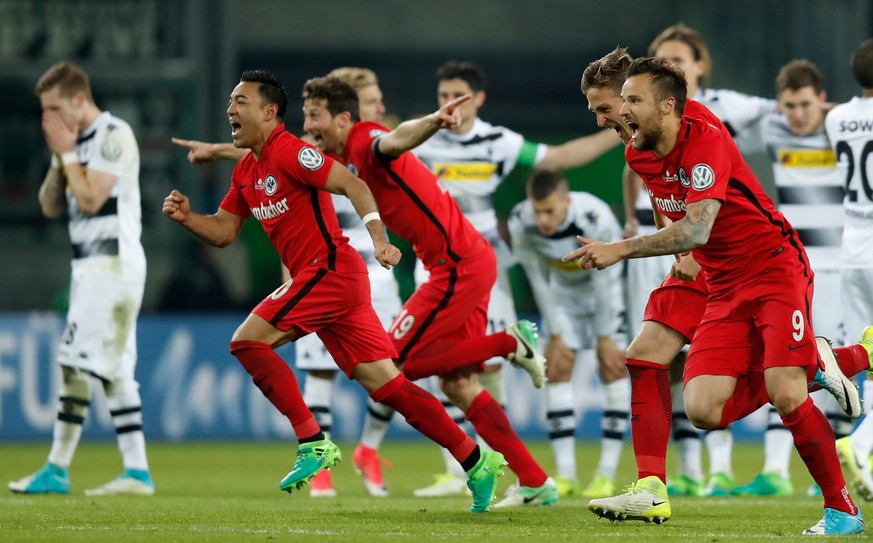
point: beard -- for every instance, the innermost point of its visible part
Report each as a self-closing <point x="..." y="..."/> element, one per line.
<point x="646" y="140"/>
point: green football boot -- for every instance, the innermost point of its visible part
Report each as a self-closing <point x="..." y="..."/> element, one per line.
<point x="311" y="459"/>
<point x="483" y="480"/>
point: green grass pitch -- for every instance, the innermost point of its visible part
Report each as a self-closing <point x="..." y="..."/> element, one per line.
<point x="228" y="492"/>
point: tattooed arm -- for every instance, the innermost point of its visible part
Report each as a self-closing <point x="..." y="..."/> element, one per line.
<point x="683" y="235"/>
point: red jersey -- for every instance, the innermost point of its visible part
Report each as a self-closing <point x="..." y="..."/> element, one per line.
<point x="283" y="190"/>
<point x="411" y="201"/>
<point x="651" y="164"/>
<point x="705" y="163"/>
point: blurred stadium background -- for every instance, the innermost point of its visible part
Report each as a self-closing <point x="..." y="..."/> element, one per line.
<point x="167" y="67"/>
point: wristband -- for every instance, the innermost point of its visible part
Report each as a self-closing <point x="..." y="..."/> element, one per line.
<point x="56" y="162"/>
<point x="371" y="216"/>
<point x="70" y="157"/>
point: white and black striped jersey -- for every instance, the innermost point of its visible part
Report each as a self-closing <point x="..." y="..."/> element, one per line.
<point x="553" y="282"/>
<point x="740" y="113"/>
<point x="108" y="145"/>
<point x="472" y="165"/>
<point x="850" y="129"/>
<point x="809" y="188"/>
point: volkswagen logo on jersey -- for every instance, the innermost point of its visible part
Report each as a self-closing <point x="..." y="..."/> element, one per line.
<point x="702" y="177"/>
<point x="271" y="185"/>
<point x="683" y="178"/>
<point x="310" y="159"/>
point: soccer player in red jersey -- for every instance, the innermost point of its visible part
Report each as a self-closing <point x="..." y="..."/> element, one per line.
<point x="286" y="185"/>
<point x="664" y="330"/>
<point x="755" y="343"/>
<point x="441" y="328"/>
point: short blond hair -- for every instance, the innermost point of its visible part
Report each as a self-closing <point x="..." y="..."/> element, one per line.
<point x="358" y="78"/>
<point x="69" y="79"/>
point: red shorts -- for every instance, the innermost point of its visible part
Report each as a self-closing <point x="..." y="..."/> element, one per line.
<point x="761" y="323"/>
<point x="337" y="307"/>
<point x="451" y="306"/>
<point x="678" y="304"/>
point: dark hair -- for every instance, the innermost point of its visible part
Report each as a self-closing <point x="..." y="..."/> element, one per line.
<point x="862" y="64"/>
<point x="69" y="79"/>
<point x="691" y="38"/>
<point x="666" y="79"/>
<point x="270" y="89"/>
<point x="609" y="71"/>
<point x="543" y="183"/>
<point x="798" y="74"/>
<point x="466" y="71"/>
<point x="339" y="95"/>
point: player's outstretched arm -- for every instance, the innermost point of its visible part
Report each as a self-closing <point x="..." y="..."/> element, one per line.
<point x="218" y="230"/>
<point x="683" y="235"/>
<point x="341" y="181"/>
<point x="410" y="134"/>
<point x="579" y="151"/>
<point x="200" y="152"/>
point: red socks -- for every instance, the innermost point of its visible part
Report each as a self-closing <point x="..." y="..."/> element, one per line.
<point x="651" y="416"/>
<point x="426" y="414"/>
<point x="277" y="382"/>
<point x="814" y="440"/>
<point x="852" y="360"/>
<point x="492" y="424"/>
<point x="468" y="352"/>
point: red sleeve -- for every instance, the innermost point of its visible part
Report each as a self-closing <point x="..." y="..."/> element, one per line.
<point x="300" y="161"/>
<point x="234" y="201"/>
<point x="707" y="164"/>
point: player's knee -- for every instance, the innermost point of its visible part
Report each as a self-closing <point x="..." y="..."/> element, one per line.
<point x="703" y="420"/>
<point x="75" y="392"/>
<point x="122" y="393"/>
<point x="785" y="400"/>
<point x="460" y="390"/>
<point x="702" y="414"/>
<point x="558" y="373"/>
<point x="493" y="382"/>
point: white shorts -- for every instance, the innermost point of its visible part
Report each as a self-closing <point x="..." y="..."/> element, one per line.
<point x="857" y="299"/>
<point x="501" y="310"/>
<point x="501" y="306"/>
<point x="827" y="306"/>
<point x="100" y="337"/>
<point x="310" y="351"/>
<point x="576" y="328"/>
